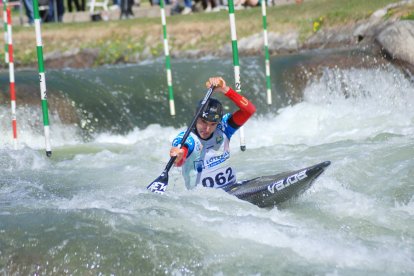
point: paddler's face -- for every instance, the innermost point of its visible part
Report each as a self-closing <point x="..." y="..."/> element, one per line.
<point x="205" y="128"/>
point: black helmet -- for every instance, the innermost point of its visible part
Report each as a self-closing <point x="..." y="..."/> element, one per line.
<point x="212" y="111"/>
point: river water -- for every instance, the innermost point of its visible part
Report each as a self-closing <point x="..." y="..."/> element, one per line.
<point x="86" y="210"/>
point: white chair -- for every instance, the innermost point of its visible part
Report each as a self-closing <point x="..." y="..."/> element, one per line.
<point x="102" y="4"/>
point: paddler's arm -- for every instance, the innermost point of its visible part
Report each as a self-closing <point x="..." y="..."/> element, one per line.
<point x="181" y="154"/>
<point x="247" y="108"/>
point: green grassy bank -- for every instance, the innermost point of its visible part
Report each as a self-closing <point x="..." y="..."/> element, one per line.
<point x="129" y="40"/>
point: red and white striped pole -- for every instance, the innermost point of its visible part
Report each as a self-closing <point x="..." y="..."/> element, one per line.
<point x="11" y="77"/>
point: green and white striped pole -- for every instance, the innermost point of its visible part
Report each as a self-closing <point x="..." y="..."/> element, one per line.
<point x="236" y="64"/>
<point x="42" y="78"/>
<point x="266" y="50"/>
<point x="167" y="59"/>
<point x="6" y="43"/>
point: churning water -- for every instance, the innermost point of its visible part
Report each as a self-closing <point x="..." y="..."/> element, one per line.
<point x="86" y="210"/>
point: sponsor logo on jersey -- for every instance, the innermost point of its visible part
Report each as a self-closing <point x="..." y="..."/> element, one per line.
<point x="219" y="139"/>
<point x="216" y="160"/>
<point x="244" y="101"/>
<point x="286" y="182"/>
<point x="199" y="165"/>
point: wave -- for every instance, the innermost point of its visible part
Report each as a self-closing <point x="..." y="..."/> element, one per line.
<point x="116" y="105"/>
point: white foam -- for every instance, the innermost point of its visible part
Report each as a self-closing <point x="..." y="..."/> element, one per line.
<point x="343" y="104"/>
<point x="353" y="104"/>
<point x="136" y="136"/>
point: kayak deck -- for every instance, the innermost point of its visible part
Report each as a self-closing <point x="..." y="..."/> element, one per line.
<point x="268" y="191"/>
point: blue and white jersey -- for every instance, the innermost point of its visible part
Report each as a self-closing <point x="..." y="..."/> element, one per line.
<point x="208" y="160"/>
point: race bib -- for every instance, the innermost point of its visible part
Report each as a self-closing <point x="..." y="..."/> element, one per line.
<point x="218" y="178"/>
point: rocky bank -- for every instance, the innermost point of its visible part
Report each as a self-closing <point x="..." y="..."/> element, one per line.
<point x="384" y="36"/>
<point x="392" y="39"/>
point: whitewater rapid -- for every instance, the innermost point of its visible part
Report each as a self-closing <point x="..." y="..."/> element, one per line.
<point x="86" y="210"/>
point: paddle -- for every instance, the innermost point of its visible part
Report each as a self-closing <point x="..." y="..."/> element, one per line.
<point x="160" y="183"/>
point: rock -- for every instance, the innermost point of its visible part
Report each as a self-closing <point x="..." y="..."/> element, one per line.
<point x="331" y="38"/>
<point x="388" y="37"/>
<point x="278" y="43"/>
<point x="369" y="29"/>
<point x="75" y="58"/>
<point x="379" y="14"/>
<point x="251" y="43"/>
<point x="288" y="42"/>
<point x="188" y="54"/>
<point x="397" y="41"/>
<point x="146" y="53"/>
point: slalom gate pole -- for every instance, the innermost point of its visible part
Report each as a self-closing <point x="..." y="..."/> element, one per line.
<point x="11" y="77"/>
<point x="266" y="51"/>
<point x="42" y="78"/>
<point x="6" y="43"/>
<point x="167" y="59"/>
<point x="236" y="64"/>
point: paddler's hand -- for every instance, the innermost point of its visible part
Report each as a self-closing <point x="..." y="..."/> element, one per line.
<point x="177" y="152"/>
<point x="219" y="84"/>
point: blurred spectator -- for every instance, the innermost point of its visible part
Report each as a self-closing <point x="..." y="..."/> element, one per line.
<point x="210" y="5"/>
<point x="126" y="9"/>
<point x="79" y="6"/>
<point x="28" y="6"/>
<point x="43" y="9"/>
<point x="51" y="16"/>
<point x="157" y="2"/>
<point x="188" y="7"/>
<point x="177" y="8"/>
<point x="239" y="4"/>
<point x="115" y="3"/>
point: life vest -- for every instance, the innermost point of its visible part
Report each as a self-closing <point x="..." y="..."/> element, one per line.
<point x="207" y="161"/>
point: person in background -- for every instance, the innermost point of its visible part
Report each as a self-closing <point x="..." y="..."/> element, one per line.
<point x="126" y="9"/>
<point x="51" y="17"/>
<point x="210" y="5"/>
<point x="79" y="6"/>
<point x="157" y="2"/>
<point x="205" y="154"/>
<point x="240" y="4"/>
<point x="188" y="7"/>
<point x="177" y="7"/>
<point x="28" y="6"/>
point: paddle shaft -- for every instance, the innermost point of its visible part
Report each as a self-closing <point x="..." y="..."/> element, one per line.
<point x="190" y="127"/>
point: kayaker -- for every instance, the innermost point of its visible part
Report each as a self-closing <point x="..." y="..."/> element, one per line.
<point x="204" y="157"/>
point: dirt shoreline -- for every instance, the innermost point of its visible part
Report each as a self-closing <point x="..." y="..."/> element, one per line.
<point x="112" y="42"/>
<point x="335" y="38"/>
